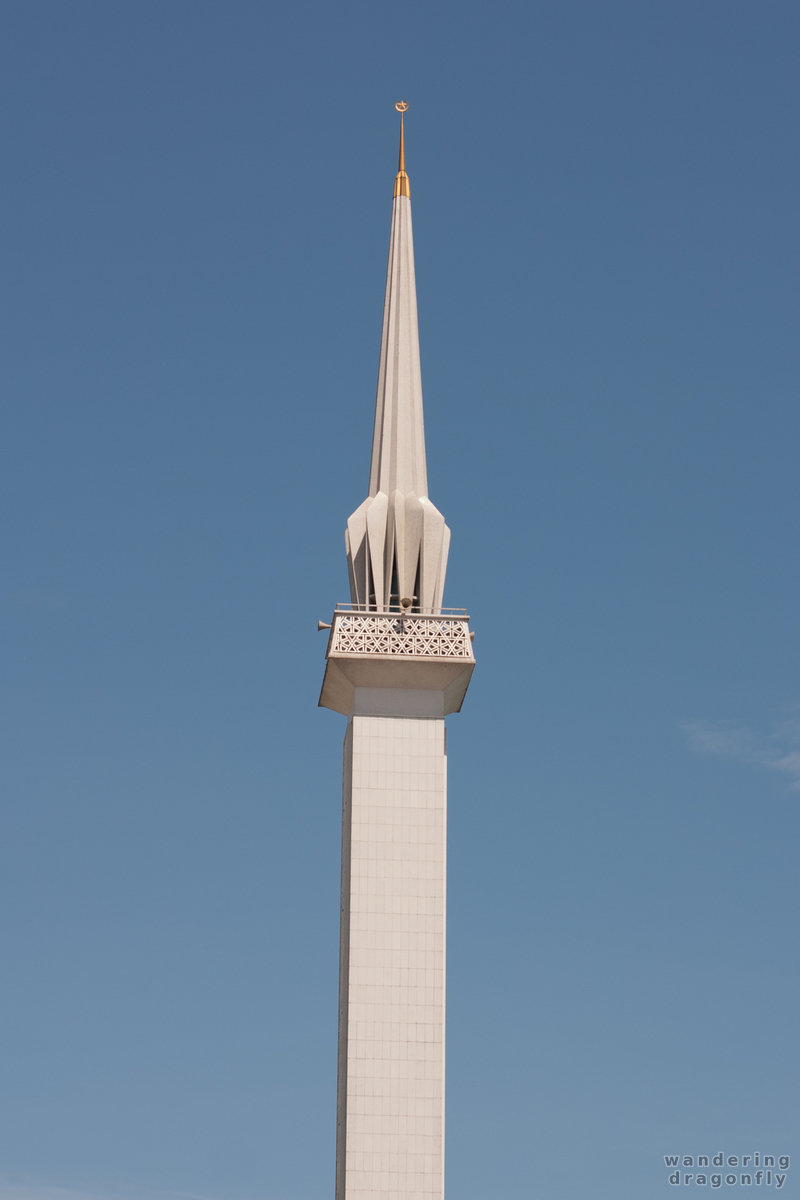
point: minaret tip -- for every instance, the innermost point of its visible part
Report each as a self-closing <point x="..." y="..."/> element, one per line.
<point x="397" y="540"/>
<point x="401" y="184"/>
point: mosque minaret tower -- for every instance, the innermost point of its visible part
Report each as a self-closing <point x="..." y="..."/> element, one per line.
<point x="397" y="663"/>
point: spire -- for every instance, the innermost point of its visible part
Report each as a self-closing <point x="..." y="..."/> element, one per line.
<point x="401" y="184"/>
<point x="397" y="541"/>
<point x="398" y="446"/>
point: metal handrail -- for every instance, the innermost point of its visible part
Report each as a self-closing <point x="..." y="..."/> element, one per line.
<point x="398" y="611"/>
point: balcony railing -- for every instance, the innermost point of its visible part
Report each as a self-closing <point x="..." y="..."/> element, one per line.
<point x="357" y="630"/>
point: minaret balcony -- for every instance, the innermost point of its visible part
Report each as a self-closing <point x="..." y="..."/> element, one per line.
<point x="396" y="652"/>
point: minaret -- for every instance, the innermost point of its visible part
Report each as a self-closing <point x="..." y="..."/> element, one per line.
<point x="397" y="664"/>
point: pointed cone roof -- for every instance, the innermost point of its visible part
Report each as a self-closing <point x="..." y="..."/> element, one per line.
<point x="398" y="444"/>
<point x="397" y="540"/>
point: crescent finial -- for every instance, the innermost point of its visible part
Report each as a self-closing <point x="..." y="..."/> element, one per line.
<point x="401" y="186"/>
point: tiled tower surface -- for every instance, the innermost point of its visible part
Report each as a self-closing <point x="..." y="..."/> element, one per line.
<point x="397" y="664"/>
<point x="391" y="1001"/>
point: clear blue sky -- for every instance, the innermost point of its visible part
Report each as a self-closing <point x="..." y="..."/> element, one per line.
<point x="197" y="203"/>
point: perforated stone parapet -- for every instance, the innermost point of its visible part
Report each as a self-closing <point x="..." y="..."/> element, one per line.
<point x="415" y="636"/>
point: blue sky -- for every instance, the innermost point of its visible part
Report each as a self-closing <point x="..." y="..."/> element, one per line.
<point x="197" y="216"/>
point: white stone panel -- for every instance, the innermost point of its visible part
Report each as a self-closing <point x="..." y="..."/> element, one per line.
<point x="390" y="1138"/>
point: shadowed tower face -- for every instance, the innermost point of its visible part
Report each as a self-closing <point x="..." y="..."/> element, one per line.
<point x="397" y="664"/>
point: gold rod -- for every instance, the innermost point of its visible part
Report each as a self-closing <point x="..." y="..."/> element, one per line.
<point x="401" y="182"/>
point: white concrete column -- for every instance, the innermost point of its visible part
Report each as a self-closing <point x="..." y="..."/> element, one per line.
<point x="390" y="1129"/>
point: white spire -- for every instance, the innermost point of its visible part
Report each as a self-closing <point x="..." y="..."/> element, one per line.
<point x="398" y="444"/>
<point x="397" y="540"/>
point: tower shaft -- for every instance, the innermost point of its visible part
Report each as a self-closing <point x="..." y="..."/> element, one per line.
<point x="390" y="1121"/>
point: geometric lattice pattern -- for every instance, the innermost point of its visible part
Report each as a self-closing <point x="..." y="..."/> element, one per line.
<point x="415" y="636"/>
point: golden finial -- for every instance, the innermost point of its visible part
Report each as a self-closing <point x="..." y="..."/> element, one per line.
<point x="401" y="184"/>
